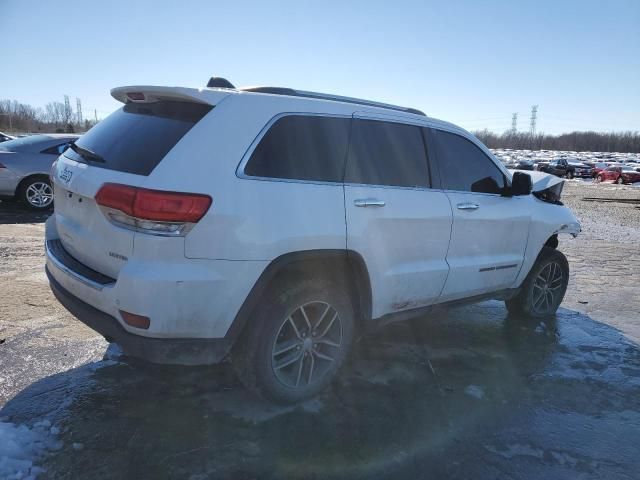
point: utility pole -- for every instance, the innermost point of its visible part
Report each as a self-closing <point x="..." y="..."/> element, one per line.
<point x="514" y="123"/>
<point x="534" y="117"/>
<point x="79" y="110"/>
<point x="67" y="110"/>
<point x="95" y="114"/>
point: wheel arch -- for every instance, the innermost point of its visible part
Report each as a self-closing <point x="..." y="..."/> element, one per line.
<point x="24" y="180"/>
<point x="343" y="265"/>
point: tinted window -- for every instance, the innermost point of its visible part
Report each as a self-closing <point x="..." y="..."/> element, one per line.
<point x="384" y="153"/>
<point x="57" y="149"/>
<point x="136" y="138"/>
<point x="302" y="148"/>
<point x="463" y="166"/>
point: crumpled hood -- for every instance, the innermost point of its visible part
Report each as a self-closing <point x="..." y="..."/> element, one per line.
<point x="541" y="180"/>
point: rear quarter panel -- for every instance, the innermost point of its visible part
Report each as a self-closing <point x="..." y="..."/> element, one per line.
<point x="250" y="219"/>
<point x="21" y="165"/>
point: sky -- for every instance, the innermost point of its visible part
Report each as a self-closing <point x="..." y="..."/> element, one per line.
<point x="473" y="63"/>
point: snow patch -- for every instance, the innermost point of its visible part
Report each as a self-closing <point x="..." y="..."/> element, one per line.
<point x="475" y="391"/>
<point x="517" y="450"/>
<point x="21" y="446"/>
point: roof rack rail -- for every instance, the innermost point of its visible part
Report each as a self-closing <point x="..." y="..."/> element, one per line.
<point x="325" y="96"/>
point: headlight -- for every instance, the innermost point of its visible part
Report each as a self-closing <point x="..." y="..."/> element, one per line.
<point x="551" y="194"/>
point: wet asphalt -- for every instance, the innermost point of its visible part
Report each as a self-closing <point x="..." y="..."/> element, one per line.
<point x="470" y="393"/>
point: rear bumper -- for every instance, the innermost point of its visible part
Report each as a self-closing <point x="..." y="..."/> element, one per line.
<point x="183" y="351"/>
<point x="197" y="307"/>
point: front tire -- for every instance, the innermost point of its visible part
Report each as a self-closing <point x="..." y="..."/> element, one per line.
<point x="297" y="340"/>
<point x="569" y="174"/>
<point x="36" y="193"/>
<point x="620" y="181"/>
<point x="544" y="288"/>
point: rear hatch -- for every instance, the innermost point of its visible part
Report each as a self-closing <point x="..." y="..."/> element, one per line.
<point x="124" y="148"/>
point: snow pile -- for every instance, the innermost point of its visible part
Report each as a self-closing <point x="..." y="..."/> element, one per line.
<point x="21" y="445"/>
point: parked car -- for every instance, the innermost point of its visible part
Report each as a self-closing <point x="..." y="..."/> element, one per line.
<point x="565" y="168"/>
<point x="196" y="224"/>
<point x="619" y="175"/>
<point x="5" y="138"/>
<point x="633" y="165"/>
<point x="25" y="164"/>
<point x="597" y="167"/>
<point x="523" y="164"/>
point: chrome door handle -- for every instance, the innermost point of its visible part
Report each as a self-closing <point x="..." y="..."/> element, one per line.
<point x="368" y="202"/>
<point x="468" y="206"/>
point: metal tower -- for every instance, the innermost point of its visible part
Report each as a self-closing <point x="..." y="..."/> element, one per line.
<point x="534" y="117"/>
<point x="79" y="110"/>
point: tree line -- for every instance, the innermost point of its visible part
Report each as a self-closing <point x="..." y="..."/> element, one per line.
<point x="623" y="142"/>
<point x="55" y="117"/>
<point x="58" y="117"/>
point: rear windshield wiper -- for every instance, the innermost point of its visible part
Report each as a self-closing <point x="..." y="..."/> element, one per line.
<point x="86" y="153"/>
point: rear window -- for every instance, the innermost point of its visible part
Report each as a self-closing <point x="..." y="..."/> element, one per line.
<point x="302" y="148"/>
<point x="137" y="137"/>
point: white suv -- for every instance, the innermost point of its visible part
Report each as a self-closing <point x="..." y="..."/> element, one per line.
<point x="273" y="225"/>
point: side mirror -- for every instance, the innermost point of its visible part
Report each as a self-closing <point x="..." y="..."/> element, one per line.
<point x="521" y="184"/>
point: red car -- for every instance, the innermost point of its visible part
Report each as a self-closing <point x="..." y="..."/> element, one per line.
<point x="619" y="175"/>
<point x="597" y="168"/>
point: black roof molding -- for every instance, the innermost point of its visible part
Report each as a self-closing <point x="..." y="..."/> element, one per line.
<point x="325" y="96"/>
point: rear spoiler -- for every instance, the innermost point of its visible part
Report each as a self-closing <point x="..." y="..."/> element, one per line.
<point x="149" y="93"/>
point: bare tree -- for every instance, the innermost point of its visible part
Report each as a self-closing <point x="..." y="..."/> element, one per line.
<point x="575" y="141"/>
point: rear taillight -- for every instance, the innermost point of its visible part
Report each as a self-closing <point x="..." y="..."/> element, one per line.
<point x="153" y="211"/>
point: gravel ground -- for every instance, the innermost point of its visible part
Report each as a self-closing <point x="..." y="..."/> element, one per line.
<point x="468" y="394"/>
<point x="605" y="257"/>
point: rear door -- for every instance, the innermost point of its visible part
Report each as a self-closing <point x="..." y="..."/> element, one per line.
<point x="395" y="220"/>
<point x="123" y="148"/>
<point x="490" y="231"/>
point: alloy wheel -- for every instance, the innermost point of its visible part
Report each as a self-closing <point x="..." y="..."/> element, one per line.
<point x="548" y="288"/>
<point x="308" y="342"/>
<point x="39" y="194"/>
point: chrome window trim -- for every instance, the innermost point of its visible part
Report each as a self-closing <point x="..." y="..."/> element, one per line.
<point x="240" y="173"/>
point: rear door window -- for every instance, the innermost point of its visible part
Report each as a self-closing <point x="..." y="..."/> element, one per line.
<point x="463" y="166"/>
<point x="302" y="147"/>
<point x="387" y="153"/>
<point x="137" y="137"/>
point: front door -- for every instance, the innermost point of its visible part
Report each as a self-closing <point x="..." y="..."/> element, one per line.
<point x="490" y="230"/>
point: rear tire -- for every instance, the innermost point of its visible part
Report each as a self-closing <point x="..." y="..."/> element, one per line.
<point x="544" y="288"/>
<point x="297" y="340"/>
<point x="620" y="181"/>
<point x="569" y="174"/>
<point x="36" y="193"/>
